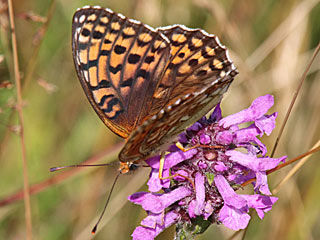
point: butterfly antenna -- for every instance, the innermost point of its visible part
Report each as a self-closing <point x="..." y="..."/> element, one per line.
<point x="53" y="169"/>
<point x="105" y="206"/>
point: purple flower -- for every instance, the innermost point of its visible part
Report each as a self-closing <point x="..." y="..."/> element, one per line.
<point x="234" y="213"/>
<point x="205" y="179"/>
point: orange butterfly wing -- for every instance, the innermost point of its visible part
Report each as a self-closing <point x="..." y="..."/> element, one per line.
<point x="119" y="63"/>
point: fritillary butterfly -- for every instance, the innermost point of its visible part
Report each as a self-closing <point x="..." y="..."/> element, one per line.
<point x="147" y="85"/>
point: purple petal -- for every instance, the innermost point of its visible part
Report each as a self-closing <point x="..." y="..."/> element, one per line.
<point x="154" y="182"/>
<point x="229" y="196"/>
<point x="146" y="233"/>
<point x="267" y="123"/>
<point x="208" y="210"/>
<point x="260" y="213"/>
<point x="220" y="166"/>
<point x="262" y="147"/>
<point x="192" y="208"/>
<point x="234" y="219"/>
<point x="239" y="179"/>
<point x="148" y="201"/>
<point x="142" y="233"/>
<point x="254" y="163"/>
<point x="195" y="127"/>
<point x="246" y="135"/>
<point x="181" y="173"/>
<point x="260" y="203"/>
<point x="225" y="137"/>
<point x="205" y="139"/>
<point x="165" y="182"/>
<point x="257" y="109"/>
<point x="173" y="148"/>
<point x="138" y="197"/>
<point x="153" y="161"/>
<point x="216" y="114"/>
<point x="183" y="138"/>
<point x="173" y="196"/>
<point x="200" y="193"/>
<point x="152" y="220"/>
<point x="196" y="206"/>
<point x="202" y="164"/>
<point x="252" y="149"/>
<point x="156" y="203"/>
<point x="171" y="159"/>
<point x="261" y="184"/>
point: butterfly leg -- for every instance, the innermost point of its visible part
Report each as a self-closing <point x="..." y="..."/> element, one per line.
<point x="161" y="166"/>
<point x="182" y="148"/>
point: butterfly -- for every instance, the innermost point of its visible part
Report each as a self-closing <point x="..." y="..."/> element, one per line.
<point x="147" y="85"/>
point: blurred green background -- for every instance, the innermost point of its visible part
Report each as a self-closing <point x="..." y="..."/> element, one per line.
<point x="271" y="43"/>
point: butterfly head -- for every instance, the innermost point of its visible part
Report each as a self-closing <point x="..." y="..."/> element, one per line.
<point x="126" y="167"/>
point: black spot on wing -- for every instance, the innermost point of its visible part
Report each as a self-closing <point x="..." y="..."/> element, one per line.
<point x="149" y="59"/>
<point x="171" y="65"/>
<point x="133" y="58"/>
<point x="93" y="63"/>
<point x="103" y="24"/>
<point x="192" y="47"/>
<point x="181" y="55"/>
<point x="193" y="62"/>
<point x="101" y="84"/>
<point x="114" y="31"/>
<point x="127" y="83"/>
<point x="205" y="54"/>
<point x="212" y="66"/>
<point x="201" y="73"/>
<point x="119" y="49"/>
<point x="104" y="53"/>
<point x="111" y="103"/>
<point x="82" y="46"/>
<point x="175" y="43"/>
<point x="86" y="66"/>
<point x="104" y="98"/>
<point x="116" y="69"/>
<point x="114" y="101"/>
<point x="143" y="73"/>
<point x="116" y="114"/>
<point x="125" y="36"/>
<point x="97" y="35"/>
<point x="142" y="43"/>
<point x="219" y="51"/>
<point x="85" y="32"/>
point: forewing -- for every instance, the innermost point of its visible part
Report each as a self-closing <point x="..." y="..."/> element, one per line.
<point x="119" y="63"/>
